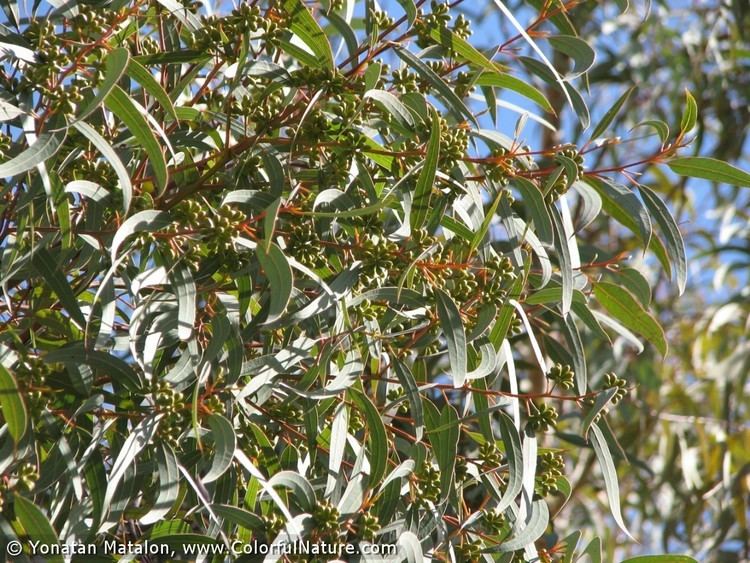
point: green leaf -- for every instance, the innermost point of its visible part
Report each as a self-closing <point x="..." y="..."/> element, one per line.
<point x="392" y="105"/>
<point x="478" y="237"/>
<point x="110" y="156"/>
<point x="133" y="446"/>
<point x="120" y="104"/>
<point x="115" y="63"/>
<point x="376" y="436"/>
<point x="533" y="200"/>
<point x="47" y="267"/>
<point x="517" y="85"/>
<point x="621" y="304"/>
<point x="303" y="25"/>
<point x="147" y="221"/>
<point x="280" y="279"/>
<point x="45" y="146"/>
<point x="661" y="128"/>
<point x="602" y="400"/>
<point x="564" y="261"/>
<point x="707" y="169"/>
<point x="446" y="92"/>
<point x="449" y="40"/>
<point x="12" y="404"/>
<point x="225" y="443"/>
<point x="622" y="204"/>
<point x="143" y="76"/>
<point x="611" y="114"/>
<point x="169" y="485"/>
<point x="512" y="443"/>
<point x="107" y="364"/>
<point x="407" y="381"/>
<point x="522" y="31"/>
<point x="443" y="432"/>
<point x="638" y="285"/>
<point x="609" y="472"/>
<point x="182" y="280"/>
<point x="238" y="516"/>
<point x="577" y="49"/>
<point x="535" y="525"/>
<point x="36" y="526"/>
<point x="420" y="205"/>
<point x="690" y="116"/>
<point x="453" y="329"/>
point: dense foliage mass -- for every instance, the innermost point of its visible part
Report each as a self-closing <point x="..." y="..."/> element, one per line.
<point x="276" y="273"/>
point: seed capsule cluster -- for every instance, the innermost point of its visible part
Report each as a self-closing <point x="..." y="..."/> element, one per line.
<point x="562" y="375"/>
<point x="612" y="381"/>
<point x="543" y="418"/>
<point x="426" y="485"/>
<point x="550" y="468"/>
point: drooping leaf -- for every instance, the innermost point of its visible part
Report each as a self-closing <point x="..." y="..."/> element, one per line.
<point x="708" y="169"/>
<point x="303" y="24"/>
<point x="621" y="304"/>
<point x="611" y="114"/>
<point x="12" y="404"/>
<point x="280" y="279"/>
<point x="37" y="527"/>
<point x="453" y="329"/>
<point x="45" y="147"/>
<point x="609" y="472"/>
<point x="122" y="106"/>
<point x="422" y="194"/>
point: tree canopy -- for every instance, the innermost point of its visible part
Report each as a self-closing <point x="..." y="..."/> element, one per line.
<point x="354" y="275"/>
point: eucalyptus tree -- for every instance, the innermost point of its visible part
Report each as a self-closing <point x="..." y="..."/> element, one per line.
<point x="274" y="273"/>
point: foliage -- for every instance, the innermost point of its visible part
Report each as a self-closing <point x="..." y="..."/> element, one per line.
<point x="242" y="251"/>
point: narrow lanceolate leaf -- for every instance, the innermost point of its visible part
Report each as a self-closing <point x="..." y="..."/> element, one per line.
<point x="622" y="204"/>
<point x="707" y="169"/>
<point x="522" y="30"/>
<point x="602" y="400"/>
<point x="280" y="280"/>
<point x="169" y="485"/>
<point x="446" y="92"/>
<point x="376" y="436"/>
<point x="406" y="379"/>
<point x="420" y="205"/>
<point x="76" y="354"/>
<point x="121" y="105"/>
<point x="443" y="431"/>
<point x="115" y="64"/>
<point x="36" y="527"/>
<point x="392" y="105"/>
<point x="621" y="304"/>
<point x="13" y="407"/>
<point x="134" y="444"/>
<point x="109" y="154"/>
<point x="691" y="113"/>
<point x="143" y="76"/>
<point x="611" y="114"/>
<point x="184" y="286"/>
<point x="453" y="329"/>
<point x="449" y="40"/>
<point x="672" y="236"/>
<point x="144" y="221"/>
<point x="533" y="201"/>
<point x="563" y="258"/>
<point x="225" y="443"/>
<point x="303" y="25"/>
<point x="47" y="267"/>
<point x="532" y="531"/>
<point x="46" y="146"/>
<point x="517" y="85"/>
<point x="577" y="49"/>
<point x="9" y="111"/>
<point x="610" y="475"/>
<point x="512" y="443"/>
